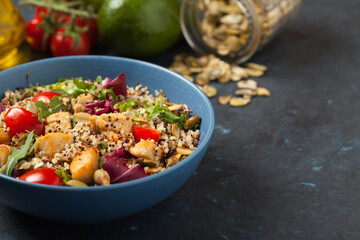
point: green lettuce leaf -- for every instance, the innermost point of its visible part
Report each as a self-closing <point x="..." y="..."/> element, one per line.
<point x="64" y="175"/>
<point x="129" y="104"/>
<point x="18" y="154"/>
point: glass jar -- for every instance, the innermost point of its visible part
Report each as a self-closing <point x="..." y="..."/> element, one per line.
<point x="12" y="32"/>
<point x="234" y="29"/>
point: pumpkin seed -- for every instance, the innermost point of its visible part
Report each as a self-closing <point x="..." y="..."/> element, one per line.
<point x="254" y="72"/>
<point x="209" y="91"/>
<point x="81" y="116"/>
<point x="256" y="66"/>
<point x="189" y="77"/>
<point x="245" y="91"/>
<point x="184" y="151"/>
<point x="175" y="130"/>
<point x="263" y="92"/>
<point x="173" y="160"/>
<point x="224" y="99"/>
<point x="140" y="120"/>
<point x="202" y="78"/>
<point x="232" y="19"/>
<point x="175" y="107"/>
<point x="191" y="122"/>
<point x="238" y="101"/>
<point x="249" y="84"/>
<point x="101" y="177"/>
<point x="75" y="183"/>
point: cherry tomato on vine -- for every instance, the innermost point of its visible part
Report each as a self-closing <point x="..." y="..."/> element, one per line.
<point x="20" y="120"/>
<point x="90" y="23"/>
<point x="45" y="97"/>
<point x="65" y="43"/>
<point x="36" y="35"/>
<point x="146" y="133"/>
<point x="45" y="176"/>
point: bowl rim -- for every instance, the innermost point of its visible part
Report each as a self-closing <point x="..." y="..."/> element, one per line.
<point x="200" y="147"/>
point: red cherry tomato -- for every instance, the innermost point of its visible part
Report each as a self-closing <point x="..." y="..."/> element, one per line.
<point x="39" y="10"/>
<point x="91" y="24"/>
<point x="36" y="36"/>
<point x="19" y="120"/>
<point x="45" y="97"/>
<point x="64" y="44"/>
<point x="146" y="133"/>
<point x="45" y="176"/>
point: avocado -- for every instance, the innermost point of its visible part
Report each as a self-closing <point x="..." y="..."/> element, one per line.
<point x="139" y="28"/>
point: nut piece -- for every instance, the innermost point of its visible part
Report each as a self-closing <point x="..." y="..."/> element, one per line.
<point x="224" y="99"/>
<point x="175" y="130"/>
<point x="238" y="101"/>
<point x="75" y="183"/>
<point x="191" y="122"/>
<point x="262" y="92"/>
<point x="101" y="177"/>
<point x="184" y="151"/>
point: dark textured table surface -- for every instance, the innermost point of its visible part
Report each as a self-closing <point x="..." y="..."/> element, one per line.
<point x="284" y="167"/>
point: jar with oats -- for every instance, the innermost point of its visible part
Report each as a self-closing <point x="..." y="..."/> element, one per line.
<point x="234" y="29"/>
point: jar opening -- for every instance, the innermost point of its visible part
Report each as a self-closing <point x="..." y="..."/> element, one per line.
<point x="230" y="31"/>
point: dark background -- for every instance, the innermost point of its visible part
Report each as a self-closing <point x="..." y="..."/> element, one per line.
<point x="284" y="167"/>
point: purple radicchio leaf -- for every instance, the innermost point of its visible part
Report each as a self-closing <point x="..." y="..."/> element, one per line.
<point x="17" y="172"/>
<point x="118" y="84"/>
<point x="115" y="165"/>
<point x="105" y="106"/>
<point x="2" y="108"/>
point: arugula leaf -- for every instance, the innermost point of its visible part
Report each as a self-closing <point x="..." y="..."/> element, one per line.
<point x="155" y="108"/>
<point x="164" y="114"/>
<point x="44" y="110"/>
<point x="104" y="92"/>
<point x="98" y="79"/>
<point x="169" y="117"/>
<point x="63" y="174"/>
<point x="82" y="84"/>
<point x="60" y="91"/>
<point x="101" y="161"/>
<point x="55" y="105"/>
<point x="18" y="154"/>
<point x="129" y="104"/>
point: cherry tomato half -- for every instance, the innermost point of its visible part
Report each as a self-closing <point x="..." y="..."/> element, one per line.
<point x="19" y="120"/>
<point x="45" y="97"/>
<point x="36" y="36"/>
<point x="45" y="176"/>
<point x="63" y="44"/>
<point x="146" y="133"/>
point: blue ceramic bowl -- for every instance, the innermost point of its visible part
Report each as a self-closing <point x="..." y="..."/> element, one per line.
<point x="105" y="203"/>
